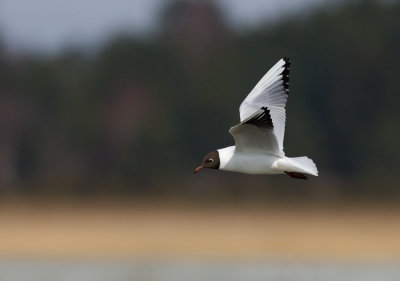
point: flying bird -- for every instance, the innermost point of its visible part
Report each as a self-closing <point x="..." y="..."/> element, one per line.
<point x="259" y="136"/>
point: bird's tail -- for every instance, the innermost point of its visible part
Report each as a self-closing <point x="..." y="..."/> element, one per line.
<point x="299" y="164"/>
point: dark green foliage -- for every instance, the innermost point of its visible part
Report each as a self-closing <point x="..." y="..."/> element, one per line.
<point x="140" y="114"/>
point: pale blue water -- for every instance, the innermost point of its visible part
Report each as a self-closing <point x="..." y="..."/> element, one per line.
<point x="194" y="271"/>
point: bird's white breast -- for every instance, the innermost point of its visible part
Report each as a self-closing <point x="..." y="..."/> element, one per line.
<point x="236" y="161"/>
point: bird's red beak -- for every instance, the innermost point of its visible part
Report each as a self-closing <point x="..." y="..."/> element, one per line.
<point x="198" y="169"/>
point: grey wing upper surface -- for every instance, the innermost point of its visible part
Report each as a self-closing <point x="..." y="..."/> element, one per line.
<point x="263" y="114"/>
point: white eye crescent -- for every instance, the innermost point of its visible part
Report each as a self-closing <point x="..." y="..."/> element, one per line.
<point x="210" y="160"/>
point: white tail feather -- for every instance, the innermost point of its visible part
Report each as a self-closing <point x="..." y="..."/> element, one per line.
<point x="299" y="164"/>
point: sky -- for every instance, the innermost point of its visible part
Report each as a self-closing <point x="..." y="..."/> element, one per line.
<point x="50" y="25"/>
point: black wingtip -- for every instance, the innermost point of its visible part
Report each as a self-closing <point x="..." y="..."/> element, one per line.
<point x="262" y="119"/>
<point x="285" y="74"/>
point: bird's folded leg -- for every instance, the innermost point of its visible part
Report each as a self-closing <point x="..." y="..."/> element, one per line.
<point x="296" y="175"/>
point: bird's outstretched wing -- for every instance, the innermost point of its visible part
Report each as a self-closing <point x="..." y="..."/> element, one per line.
<point x="256" y="134"/>
<point x="271" y="92"/>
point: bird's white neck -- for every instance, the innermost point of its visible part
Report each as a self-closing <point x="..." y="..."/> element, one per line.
<point x="225" y="155"/>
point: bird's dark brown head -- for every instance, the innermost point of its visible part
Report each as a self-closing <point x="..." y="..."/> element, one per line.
<point x="211" y="160"/>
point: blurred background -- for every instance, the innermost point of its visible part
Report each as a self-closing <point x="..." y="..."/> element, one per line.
<point x="107" y="107"/>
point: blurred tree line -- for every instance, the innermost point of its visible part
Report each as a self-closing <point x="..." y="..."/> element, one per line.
<point x="138" y="115"/>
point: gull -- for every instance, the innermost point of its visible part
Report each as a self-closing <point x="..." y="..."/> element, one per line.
<point x="259" y="136"/>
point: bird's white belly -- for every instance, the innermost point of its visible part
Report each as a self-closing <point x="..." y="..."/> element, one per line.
<point x="231" y="160"/>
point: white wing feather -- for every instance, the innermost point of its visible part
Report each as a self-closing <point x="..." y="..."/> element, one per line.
<point x="255" y="134"/>
<point x="271" y="92"/>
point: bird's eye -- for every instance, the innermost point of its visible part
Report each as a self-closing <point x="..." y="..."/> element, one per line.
<point x="210" y="160"/>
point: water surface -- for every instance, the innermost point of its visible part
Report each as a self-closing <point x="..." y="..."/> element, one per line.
<point x="194" y="271"/>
